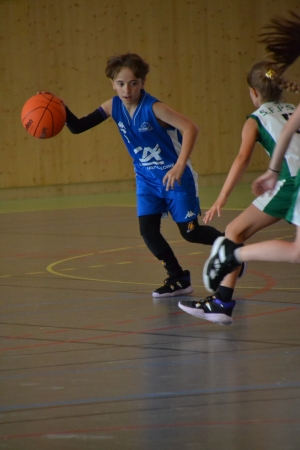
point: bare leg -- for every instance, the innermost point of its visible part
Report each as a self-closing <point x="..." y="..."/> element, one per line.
<point x="245" y="225"/>
<point x="277" y="251"/>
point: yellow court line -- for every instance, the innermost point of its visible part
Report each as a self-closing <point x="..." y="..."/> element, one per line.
<point x="34" y="273"/>
<point x="51" y="270"/>
<point x="70" y="268"/>
<point x="274" y="230"/>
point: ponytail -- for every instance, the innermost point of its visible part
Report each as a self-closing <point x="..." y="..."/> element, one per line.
<point x="283" y="43"/>
<point x="281" y="82"/>
<point x="283" y="40"/>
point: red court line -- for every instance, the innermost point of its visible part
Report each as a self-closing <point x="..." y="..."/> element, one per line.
<point x="57" y="331"/>
<point x="124" y="321"/>
<point x="151" y="330"/>
<point x="249" y="422"/>
<point x="270" y="282"/>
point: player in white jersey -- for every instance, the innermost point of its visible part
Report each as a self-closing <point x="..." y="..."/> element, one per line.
<point x="160" y="142"/>
<point x="283" y="42"/>
<point x="264" y="126"/>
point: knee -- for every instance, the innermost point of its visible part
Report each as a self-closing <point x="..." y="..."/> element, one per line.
<point x="198" y="234"/>
<point x="150" y="227"/>
<point x="152" y="239"/>
<point x="192" y="232"/>
<point x="149" y="234"/>
<point x="233" y="234"/>
<point x="188" y="237"/>
<point x="187" y="230"/>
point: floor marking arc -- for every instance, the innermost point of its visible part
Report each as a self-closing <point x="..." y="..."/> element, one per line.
<point x="53" y="272"/>
<point x="50" y="269"/>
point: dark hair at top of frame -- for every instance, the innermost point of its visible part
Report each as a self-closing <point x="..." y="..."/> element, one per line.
<point x="283" y="44"/>
<point x="131" y="60"/>
<point x="283" y="40"/>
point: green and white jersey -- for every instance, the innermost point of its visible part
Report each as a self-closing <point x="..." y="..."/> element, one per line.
<point x="293" y="214"/>
<point x="271" y="118"/>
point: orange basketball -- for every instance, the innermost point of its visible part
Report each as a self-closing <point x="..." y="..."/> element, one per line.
<point x="43" y="116"/>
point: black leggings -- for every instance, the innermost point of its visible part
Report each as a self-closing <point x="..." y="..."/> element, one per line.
<point x="158" y="246"/>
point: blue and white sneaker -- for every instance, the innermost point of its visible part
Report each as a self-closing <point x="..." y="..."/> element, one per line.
<point x="210" y="308"/>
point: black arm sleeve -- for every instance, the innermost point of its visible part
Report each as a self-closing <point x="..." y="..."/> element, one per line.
<point x="77" y="126"/>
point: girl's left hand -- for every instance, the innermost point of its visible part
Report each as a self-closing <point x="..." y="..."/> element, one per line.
<point x="264" y="183"/>
<point x="215" y="209"/>
<point x="172" y="176"/>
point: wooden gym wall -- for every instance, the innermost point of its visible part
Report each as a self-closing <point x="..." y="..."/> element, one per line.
<point x="199" y="52"/>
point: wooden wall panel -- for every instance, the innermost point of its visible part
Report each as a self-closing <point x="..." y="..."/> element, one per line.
<point x="199" y="52"/>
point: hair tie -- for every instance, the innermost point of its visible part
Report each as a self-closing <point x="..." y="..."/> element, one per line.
<point x="270" y="74"/>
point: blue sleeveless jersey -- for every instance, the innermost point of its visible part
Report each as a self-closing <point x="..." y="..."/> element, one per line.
<point x="153" y="148"/>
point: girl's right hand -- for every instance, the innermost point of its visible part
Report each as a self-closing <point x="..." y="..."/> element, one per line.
<point x="51" y="93"/>
<point x="215" y="209"/>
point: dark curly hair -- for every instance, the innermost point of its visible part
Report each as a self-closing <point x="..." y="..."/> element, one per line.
<point x="131" y="60"/>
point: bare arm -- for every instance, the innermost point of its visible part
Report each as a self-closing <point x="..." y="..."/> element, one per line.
<point x="267" y="181"/>
<point x="189" y="135"/>
<point x="239" y="166"/>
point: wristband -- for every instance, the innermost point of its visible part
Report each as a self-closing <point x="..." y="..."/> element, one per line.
<point x="272" y="170"/>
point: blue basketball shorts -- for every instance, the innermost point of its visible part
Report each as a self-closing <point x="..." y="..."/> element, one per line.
<point x="183" y="209"/>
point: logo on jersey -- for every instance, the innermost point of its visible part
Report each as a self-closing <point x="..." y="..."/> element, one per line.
<point x="122" y="128"/>
<point x="145" y="127"/>
<point x="150" y="156"/>
<point x="190" y="214"/>
<point x="286" y="117"/>
<point x="190" y="227"/>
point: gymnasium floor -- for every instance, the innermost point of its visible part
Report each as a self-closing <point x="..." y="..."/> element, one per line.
<point x="91" y="361"/>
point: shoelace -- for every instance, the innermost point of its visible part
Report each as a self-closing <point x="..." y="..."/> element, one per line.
<point x="208" y="299"/>
<point x="171" y="280"/>
<point x="167" y="281"/>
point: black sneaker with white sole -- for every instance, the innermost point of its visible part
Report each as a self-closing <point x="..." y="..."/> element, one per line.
<point x="174" y="286"/>
<point x="220" y="263"/>
<point x="210" y="308"/>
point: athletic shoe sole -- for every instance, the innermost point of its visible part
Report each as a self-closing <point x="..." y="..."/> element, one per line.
<point x="185" y="291"/>
<point x="220" y="319"/>
<point x="214" y="251"/>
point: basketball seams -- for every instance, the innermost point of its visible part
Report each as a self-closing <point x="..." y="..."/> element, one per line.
<point x="43" y="116"/>
<point x="45" y="109"/>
